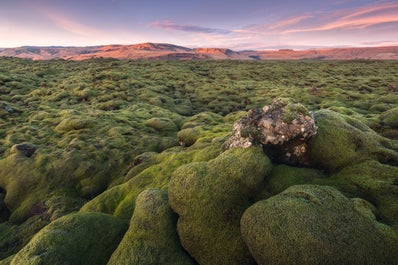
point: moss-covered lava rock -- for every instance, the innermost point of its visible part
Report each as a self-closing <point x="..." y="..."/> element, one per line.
<point x="80" y="238"/>
<point x="389" y="118"/>
<point x="120" y="199"/>
<point x="210" y="197"/>
<point x="310" y="224"/>
<point x="343" y="141"/>
<point x="374" y="182"/>
<point x="152" y="236"/>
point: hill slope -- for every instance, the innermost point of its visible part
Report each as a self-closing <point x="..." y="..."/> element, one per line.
<point x="162" y="51"/>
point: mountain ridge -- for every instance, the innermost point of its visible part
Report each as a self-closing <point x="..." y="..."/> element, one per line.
<point x="166" y="51"/>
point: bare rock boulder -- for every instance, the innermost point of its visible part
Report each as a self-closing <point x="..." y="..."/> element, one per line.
<point x="282" y="128"/>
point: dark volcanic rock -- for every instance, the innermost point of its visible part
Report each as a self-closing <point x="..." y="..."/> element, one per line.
<point x="282" y="128"/>
<point x="26" y="148"/>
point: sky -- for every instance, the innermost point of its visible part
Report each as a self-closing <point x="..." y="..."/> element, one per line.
<point x="238" y="25"/>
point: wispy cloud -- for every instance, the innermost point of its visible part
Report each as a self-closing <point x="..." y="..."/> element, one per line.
<point x="69" y="24"/>
<point x="353" y="19"/>
<point x="381" y="43"/>
<point x="167" y="24"/>
<point x="316" y="22"/>
<point x="288" y="22"/>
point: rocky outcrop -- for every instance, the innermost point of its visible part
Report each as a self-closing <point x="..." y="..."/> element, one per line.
<point x="282" y="128"/>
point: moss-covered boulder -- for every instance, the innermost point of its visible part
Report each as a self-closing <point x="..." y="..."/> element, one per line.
<point x="9" y="240"/>
<point x="283" y="176"/>
<point x="210" y="198"/>
<point x="26" y="149"/>
<point x="27" y="181"/>
<point x="343" y="141"/>
<point x="152" y="236"/>
<point x="202" y="118"/>
<point x="187" y="137"/>
<point x="389" y="118"/>
<point x="80" y="238"/>
<point x="310" y="224"/>
<point x="373" y="181"/>
<point x="70" y="124"/>
<point x="120" y="199"/>
<point x="19" y="179"/>
<point x="161" y="124"/>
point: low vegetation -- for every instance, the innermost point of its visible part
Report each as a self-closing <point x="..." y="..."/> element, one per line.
<point x="101" y="158"/>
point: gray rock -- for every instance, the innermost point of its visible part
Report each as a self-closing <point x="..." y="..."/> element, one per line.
<point x="27" y="149"/>
<point x="282" y="128"/>
<point x="8" y="109"/>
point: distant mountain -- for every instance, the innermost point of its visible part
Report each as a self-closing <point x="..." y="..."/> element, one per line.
<point x="164" y="51"/>
<point x="374" y="53"/>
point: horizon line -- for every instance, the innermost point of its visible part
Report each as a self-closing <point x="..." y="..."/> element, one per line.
<point x="273" y="47"/>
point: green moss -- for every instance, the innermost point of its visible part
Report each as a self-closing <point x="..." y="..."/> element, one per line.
<point x="9" y="240"/>
<point x="183" y="107"/>
<point x="187" y="137"/>
<point x="70" y="124"/>
<point x="7" y="260"/>
<point x="389" y="118"/>
<point x="309" y="224"/>
<point x="283" y="176"/>
<point x="291" y="111"/>
<point x="377" y="108"/>
<point x="210" y="197"/>
<point x="19" y="179"/>
<point x="120" y="200"/>
<point x="374" y="182"/>
<point x="341" y="141"/>
<point x="88" y="122"/>
<point x="161" y="124"/>
<point x="202" y="118"/>
<point x="152" y="236"/>
<point x="88" y="238"/>
<point x="234" y="116"/>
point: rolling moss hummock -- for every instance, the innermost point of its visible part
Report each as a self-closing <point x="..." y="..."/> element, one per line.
<point x="91" y="136"/>
<point x="343" y="141"/>
<point x="79" y="238"/>
<point x="310" y="224"/>
<point x="152" y="236"/>
<point x="120" y="199"/>
<point x="210" y="197"/>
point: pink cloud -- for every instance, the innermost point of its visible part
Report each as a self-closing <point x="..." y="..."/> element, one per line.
<point x="167" y="24"/>
<point x="354" y="19"/>
<point x="68" y="23"/>
<point x="288" y="22"/>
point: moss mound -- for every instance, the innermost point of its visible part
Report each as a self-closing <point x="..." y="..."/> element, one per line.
<point x="210" y="197"/>
<point x="188" y="136"/>
<point x="374" y="182"/>
<point x="202" y="118"/>
<point x="161" y="124"/>
<point x="102" y="131"/>
<point x="152" y="236"/>
<point x="309" y="224"/>
<point x="80" y="238"/>
<point x="9" y="240"/>
<point x="120" y="199"/>
<point x="390" y="118"/>
<point x="32" y="180"/>
<point x="283" y="176"/>
<point x="342" y="141"/>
